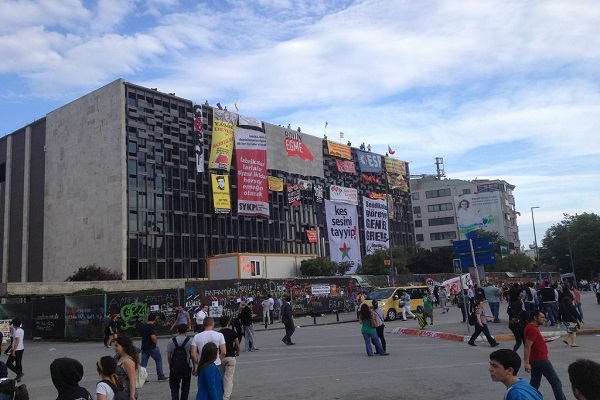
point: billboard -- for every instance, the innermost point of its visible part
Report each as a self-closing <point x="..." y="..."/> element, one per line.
<point x="252" y="176"/>
<point x="478" y="211"/>
<point x="221" y="148"/>
<point x="342" y="230"/>
<point x="375" y="216"/>
<point x="293" y="151"/>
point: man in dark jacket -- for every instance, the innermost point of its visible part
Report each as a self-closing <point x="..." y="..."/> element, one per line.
<point x="246" y="316"/>
<point x="287" y="317"/>
<point x="66" y="374"/>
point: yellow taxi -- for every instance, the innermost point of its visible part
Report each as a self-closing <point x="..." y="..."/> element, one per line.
<point x="388" y="299"/>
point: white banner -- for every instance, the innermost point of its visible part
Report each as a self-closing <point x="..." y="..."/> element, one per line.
<point x="453" y="285"/>
<point x="343" y="194"/>
<point x="342" y="229"/>
<point x="375" y="216"/>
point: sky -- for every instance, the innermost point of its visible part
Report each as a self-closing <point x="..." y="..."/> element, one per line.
<point x="500" y="89"/>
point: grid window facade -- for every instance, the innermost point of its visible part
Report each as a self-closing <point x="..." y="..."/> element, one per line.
<point x="441" y="221"/>
<point x="442" y="235"/>
<point x="431" y="194"/>
<point x="439" y="207"/>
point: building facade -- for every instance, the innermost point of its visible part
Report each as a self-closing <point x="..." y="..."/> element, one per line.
<point x="439" y="219"/>
<point x="121" y="178"/>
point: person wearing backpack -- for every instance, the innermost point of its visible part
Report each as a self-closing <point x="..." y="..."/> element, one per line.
<point x="110" y="387"/>
<point x="180" y="367"/>
<point x="529" y="298"/>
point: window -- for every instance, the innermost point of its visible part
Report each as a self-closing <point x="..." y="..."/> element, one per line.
<point x="255" y="268"/>
<point x="442" y="235"/>
<point x="439" y="207"/>
<point x="417" y="210"/>
<point x="418" y="223"/>
<point x="419" y="237"/>
<point x="441" y="221"/>
<point x="466" y="191"/>
<point x="415" y="196"/>
<point x="431" y="194"/>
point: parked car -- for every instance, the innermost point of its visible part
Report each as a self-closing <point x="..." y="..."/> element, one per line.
<point x="388" y="299"/>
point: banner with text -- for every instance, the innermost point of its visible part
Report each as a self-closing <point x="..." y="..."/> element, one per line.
<point x="346" y="166"/>
<point x="198" y="138"/>
<point x="293" y="151"/>
<point x="293" y="193"/>
<point x="478" y="211"/>
<point x="253" y="185"/>
<point x="221" y="195"/>
<point x="221" y="148"/>
<point x="342" y="230"/>
<point x="375" y="217"/>
<point x="339" y="150"/>
<point x="369" y="162"/>
<point x="343" y="194"/>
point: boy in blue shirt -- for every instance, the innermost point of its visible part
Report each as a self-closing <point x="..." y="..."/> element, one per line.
<point x="504" y="366"/>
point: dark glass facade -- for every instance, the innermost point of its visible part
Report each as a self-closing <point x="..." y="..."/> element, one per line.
<point x="172" y="228"/>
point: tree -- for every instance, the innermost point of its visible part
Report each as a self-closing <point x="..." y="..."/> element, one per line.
<point x="323" y="266"/>
<point x="428" y="262"/>
<point x="513" y="263"/>
<point x="94" y="272"/>
<point x="575" y="239"/>
<point x="374" y="264"/>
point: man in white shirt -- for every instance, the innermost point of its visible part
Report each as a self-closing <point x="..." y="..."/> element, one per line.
<point x="16" y="354"/>
<point x="199" y="317"/>
<point x="208" y="335"/>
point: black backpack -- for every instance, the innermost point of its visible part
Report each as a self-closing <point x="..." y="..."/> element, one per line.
<point x="529" y="294"/>
<point x="180" y="366"/>
<point x="119" y="394"/>
<point x="472" y="318"/>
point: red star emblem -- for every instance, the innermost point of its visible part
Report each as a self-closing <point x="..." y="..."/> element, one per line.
<point x="345" y="249"/>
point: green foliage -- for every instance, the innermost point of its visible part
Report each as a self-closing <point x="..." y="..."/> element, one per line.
<point x="88" y="291"/>
<point x="374" y="264"/>
<point x="93" y="272"/>
<point x="575" y="238"/>
<point x="513" y="263"/>
<point x="323" y="266"/>
<point x="428" y="262"/>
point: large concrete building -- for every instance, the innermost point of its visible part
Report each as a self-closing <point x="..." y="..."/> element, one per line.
<point x="437" y="212"/>
<point x="113" y="179"/>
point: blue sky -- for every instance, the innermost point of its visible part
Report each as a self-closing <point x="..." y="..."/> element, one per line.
<point x="499" y="89"/>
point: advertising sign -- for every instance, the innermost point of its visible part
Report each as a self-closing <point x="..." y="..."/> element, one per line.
<point x="342" y="230"/>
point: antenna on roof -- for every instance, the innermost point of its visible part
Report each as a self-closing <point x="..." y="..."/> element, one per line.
<point x="439" y="167"/>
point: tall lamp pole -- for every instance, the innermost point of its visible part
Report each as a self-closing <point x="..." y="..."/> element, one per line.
<point x="571" y="254"/>
<point x="537" y="255"/>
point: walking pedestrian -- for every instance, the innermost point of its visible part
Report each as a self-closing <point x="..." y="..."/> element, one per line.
<point x="278" y="305"/>
<point x="180" y="364"/>
<point x="66" y="373"/>
<point x="209" y="335"/>
<point x="569" y="316"/>
<point x="504" y="366"/>
<point x="265" y="312"/>
<point x="232" y="346"/>
<point x="111" y="330"/>
<point x="405" y="305"/>
<point x="481" y="326"/>
<point x="127" y="364"/>
<point x="271" y="308"/>
<point x="210" y="379"/>
<point x="517" y="319"/>
<point x="536" y="356"/>
<point x="577" y="300"/>
<point x="549" y="300"/>
<point x="585" y="379"/>
<point x="246" y="317"/>
<point x="150" y="347"/>
<point x="183" y="317"/>
<point x="287" y="317"/>
<point x="443" y="298"/>
<point x="492" y="296"/>
<point x="368" y="329"/>
<point x="15" y="359"/>
<point x="529" y="298"/>
<point x="110" y="385"/>
<point x="105" y="323"/>
<point x="380" y="324"/>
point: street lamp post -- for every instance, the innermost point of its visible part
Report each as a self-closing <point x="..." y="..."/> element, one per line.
<point x="537" y="255"/>
<point x="571" y="254"/>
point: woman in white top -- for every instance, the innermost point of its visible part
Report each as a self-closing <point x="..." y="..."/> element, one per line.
<point x="105" y="389"/>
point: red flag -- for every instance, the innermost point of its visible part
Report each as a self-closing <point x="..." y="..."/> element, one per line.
<point x="390" y="150"/>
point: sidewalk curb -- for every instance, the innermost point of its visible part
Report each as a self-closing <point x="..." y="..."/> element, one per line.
<point x="432" y="334"/>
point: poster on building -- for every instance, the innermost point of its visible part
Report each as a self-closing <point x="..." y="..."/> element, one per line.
<point x="478" y="211"/>
<point x="343" y="194"/>
<point x="252" y="182"/>
<point x="293" y="194"/>
<point x="342" y="230"/>
<point x="293" y="151"/>
<point x="319" y="193"/>
<point x="394" y="166"/>
<point x="369" y="162"/>
<point x="275" y="184"/>
<point x="390" y="206"/>
<point x="339" y="150"/>
<point x="221" y="195"/>
<point x="346" y="166"/>
<point x="249" y="121"/>
<point x="375" y="217"/>
<point x="304" y="184"/>
<point x="221" y="148"/>
<point x="397" y="182"/>
<point x="198" y="138"/>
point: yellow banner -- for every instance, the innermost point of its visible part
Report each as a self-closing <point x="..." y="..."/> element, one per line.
<point x="397" y="182"/>
<point x="275" y="184"/>
<point x="394" y="166"/>
<point x="221" y="148"/>
<point x="339" y="150"/>
<point x="221" y="198"/>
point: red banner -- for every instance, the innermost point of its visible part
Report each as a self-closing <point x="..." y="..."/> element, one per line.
<point x="252" y="176"/>
<point x="346" y="166"/>
<point x="311" y="235"/>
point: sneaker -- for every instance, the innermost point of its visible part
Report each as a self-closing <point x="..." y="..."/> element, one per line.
<point x="164" y="378"/>
<point x="472" y="344"/>
<point x="21" y="375"/>
<point x="495" y="344"/>
<point x="384" y="354"/>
